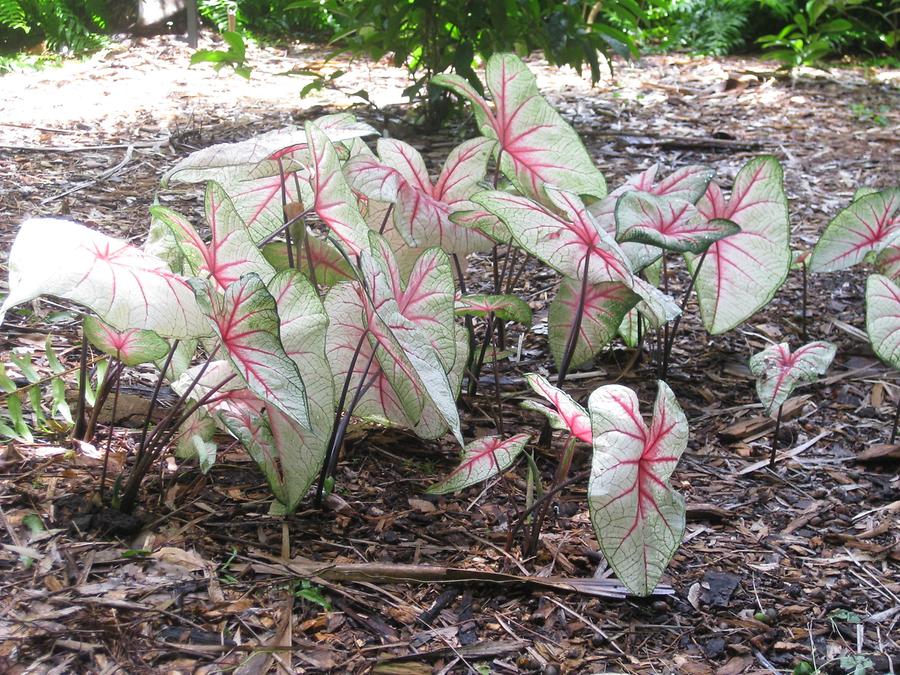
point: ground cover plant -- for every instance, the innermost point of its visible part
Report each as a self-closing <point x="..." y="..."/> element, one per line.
<point x="316" y="299"/>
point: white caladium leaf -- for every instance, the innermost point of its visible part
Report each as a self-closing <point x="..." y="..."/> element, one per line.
<point x="422" y="211"/>
<point x="637" y="516"/>
<point x="328" y="264"/>
<point x="864" y="227"/>
<point x="131" y="346"/>
<point x="537" y="147"/>
<point x="688" y="184"/>
<point x="778" y="371"/>
<point x="565" y="241"/>
<point x="741" y="273"/>
<point x="303" y="328"/>
<point x="230" y="254"/>
<point x="570" y="415"/>
<point x="194" y="439"/>
<point x="217" y="161"/>
<point x="605" y="306"/>
<point x="246" y="320"/>
<point x="232" y="398"/>
<point x="124" y="286"/>
<point x="334" y="202"/>
<point x="482" y="459"/>
<point x="669" y="223"/>
<point x="504" y="307"/>
<point x="883" y="318"/>
<point x="259" y="202"/>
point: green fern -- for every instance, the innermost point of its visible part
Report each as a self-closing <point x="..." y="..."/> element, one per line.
<point x="65" y="25"/>
<point x="12" y="15"/>
<point x="713" y="27"/>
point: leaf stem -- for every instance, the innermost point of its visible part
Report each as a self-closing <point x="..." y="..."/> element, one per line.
<point x="667" y="348"/>
<point x="896" y="422"/>
<point x="775" y="436"/>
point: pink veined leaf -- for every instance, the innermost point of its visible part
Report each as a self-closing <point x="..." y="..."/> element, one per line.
<point x="230" y="399"/>
<point x="482" y="459"/>
<point x="537" y="147"/>
<point x="672" y="224"/>
<point x="231" y="252"/>
<point x="688" y="184"/>
<point x="883" y="318"/>
<point x="504" y="307"/>
<point x="742" y="272"/>
<point x="330" y="266"/>
<point x="259" y="201"/>
<point x="423" y="212"/>
<point x="638" y="518"/>
<point x="216" y="162"/>
<point x="864" y="227"/>
<point x="195" y="439"/>
<point x="564" y="242"/>
<point x="132" y="346"/>
<point x="124" y="286"/>
<point x="778" y="371"/>
<point x="247" y="323"/>
<point x="605" y="306"/>
<point x="573" y="416"/>
<point x="334" y="203"/>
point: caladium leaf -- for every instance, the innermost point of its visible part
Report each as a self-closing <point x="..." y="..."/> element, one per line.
<point x="537" y="147"/>
<point x="883" y="318"/>
<point x="688" y="184"/>
<point x="247" y="323"/>
<point x="230" y="254"/>
<point x="605" y="306"/>
<point x="504" y="307"/>
<point x="124" y="286"/>
<point x="741" y="273"/>
<point x="334" y="202"/>
<point x="482" y="459"/>
<point x="195" y="440"/>
<point x="887" y="261"/>
<point x="423" y="212"/>
<point x="671" y="224"/>
<point x="564" y="242"/>
<point x="571" y="416"/>
<point x="637" y="516"/>
<point x="866" y="226"/>
<point x="778" y="371"/>
<point x="259" y="202"/>
<point x="132" y="346"/>
<point x="217" y="161"/>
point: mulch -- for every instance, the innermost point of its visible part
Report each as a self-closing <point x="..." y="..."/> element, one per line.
<point x="800" y="562"/>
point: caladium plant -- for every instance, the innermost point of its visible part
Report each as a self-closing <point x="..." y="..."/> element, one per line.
<point x="638" y="518"/>
<point x="778" y="371"/>
<point x="869" y="225"/>
<point x="883" y="325"/>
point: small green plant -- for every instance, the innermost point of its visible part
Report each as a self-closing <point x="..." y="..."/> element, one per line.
<point x="235" y="55"/>
<point x="807" y="39"/>
<point x="864" y="113"/>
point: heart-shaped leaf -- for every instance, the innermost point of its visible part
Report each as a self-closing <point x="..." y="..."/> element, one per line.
<point x="334" y="202"/>
<point x="778" y="371"/>
<point x="131" y="347"/>
<point x="605" y="305"/>
<point x="883" y="318"/>
<point x="504" y="307"/>
<point x="672" y="224"/>
<point x="482" y="459"/>
<point x="887" y="262"/>
<point x="537" y="147"/>
<point x="195" y="440"/>
<point x="124" y="286"/>
<point x="741" y="273"/>
<point x="567" y="414"/>
<point x="637" y="516"/>
<point x="866" y="226"/>
<point x="318" y="255"/>
<point x="246" y="320"/>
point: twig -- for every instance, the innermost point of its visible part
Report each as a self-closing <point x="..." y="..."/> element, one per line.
<point x="109" y="173"/>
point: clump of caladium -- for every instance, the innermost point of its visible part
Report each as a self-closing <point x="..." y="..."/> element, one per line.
<point x="864" y="230"/>
<point x="638" y="518"/>
<point x="883" y="325"/>
<point x="778" y="371"/>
